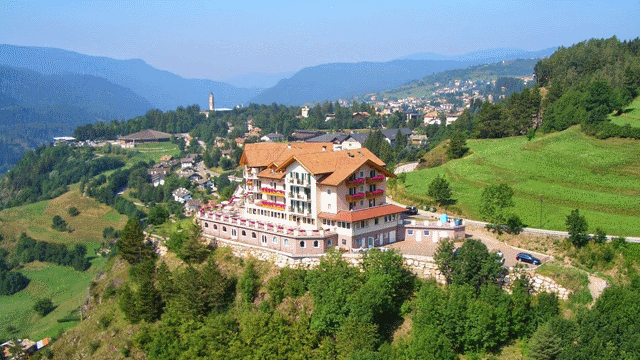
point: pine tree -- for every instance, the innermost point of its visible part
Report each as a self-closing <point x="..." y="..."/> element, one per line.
<point x="131" y="245"/>
<point x="440" y="190"/>
<point x="148" y="302"/>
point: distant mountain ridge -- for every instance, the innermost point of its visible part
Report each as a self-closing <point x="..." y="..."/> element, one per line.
<point x="35" y="107"/>
<point x="164" y="90"/>
<point x="488" y="56"/>
<point x="346" y="80"/>
<point x="258" y="80"/>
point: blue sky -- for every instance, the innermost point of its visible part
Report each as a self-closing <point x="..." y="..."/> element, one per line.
<point x="221" y="39"/>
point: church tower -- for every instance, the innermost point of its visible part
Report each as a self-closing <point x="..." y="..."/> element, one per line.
<point x="210" y="101"/>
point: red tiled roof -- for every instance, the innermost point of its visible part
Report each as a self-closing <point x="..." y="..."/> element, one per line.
<point x="264" y="154"/>
<point x="351" y="216"/>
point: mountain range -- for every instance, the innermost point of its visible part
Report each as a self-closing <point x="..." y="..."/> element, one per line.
<point x="46" y="92"/>
<point x="163" y="89"/>
<point x="346" y="80"/>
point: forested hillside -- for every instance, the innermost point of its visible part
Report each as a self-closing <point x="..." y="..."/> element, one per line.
<point x="589" y="80"/>
<point x="34" y="107"/>
<point x="477" y="73"/>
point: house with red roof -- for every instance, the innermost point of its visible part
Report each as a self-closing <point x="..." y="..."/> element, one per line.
<point x="304" y="198"/>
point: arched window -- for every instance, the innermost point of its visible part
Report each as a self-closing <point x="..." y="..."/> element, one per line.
<point x="275" y="240"/>
<point x="206" y="224"/>
<point x="316" y="244"/>
<point x="215" y="227"/>
<point x="253" y="235"/>
<point x="224" y="229"/>
<point x="302" y="244"/>
<point x="244" y="233"/>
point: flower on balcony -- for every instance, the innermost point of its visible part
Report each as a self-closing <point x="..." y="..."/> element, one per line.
<point x="376" y="192"/>
<point x="378" y="177"/>
<point x="357" y="181"/>
<point x="272" y="204"/>
<point x="358" y="195"/>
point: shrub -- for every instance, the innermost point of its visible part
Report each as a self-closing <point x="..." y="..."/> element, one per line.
<point x="93" y="346"/>
<point x="73" y="211"/>
<point x="58" y="223"/>
<point x="43" y="306"/>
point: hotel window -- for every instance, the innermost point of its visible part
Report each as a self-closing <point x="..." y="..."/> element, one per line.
<point x="361" y="202"/>
<point x="328" y="191"/>
<point x="348" y="225"/>
<point x="361" y="173"/>
<point x="264" y="239"/>
<point x="375" y="221"/>
<point x="253" y="235"/>
<point x="410" y="232"/>
<point x="362" y="224"/>
<point x="215" y="227"/>
<point x="329" y="242"/>
<point x="329" y="206"/>
<point x="285" y="242"/>
<point x="344" y="241"/>
<point x="224" y="229"/>
<point x="244" y="233"/>
<point x="372" y="173"/>
<point x="302" y="244"/>
<point x="275" y="240"/>
<point x="234" y="232"/>
<point x="426" y="233"/>
<point x="372" y="202"/>
<point x="206" y="224"/>
<point x="316" y="244"/>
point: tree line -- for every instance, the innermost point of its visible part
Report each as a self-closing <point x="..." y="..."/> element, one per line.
<point x="46" y="172"/>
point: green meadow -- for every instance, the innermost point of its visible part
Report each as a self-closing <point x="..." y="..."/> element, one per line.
<point x="550" y="175"/>
<point x="65" y="286"/>
<point x="630" y="115"/>
<point x="154" y="151"/>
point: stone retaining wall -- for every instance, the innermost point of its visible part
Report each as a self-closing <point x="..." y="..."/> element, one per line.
<point x="423" y="266"/>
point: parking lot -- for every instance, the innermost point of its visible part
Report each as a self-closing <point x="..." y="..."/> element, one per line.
<point x="428" y="248"/>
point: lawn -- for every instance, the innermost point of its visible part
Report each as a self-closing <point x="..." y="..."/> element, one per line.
<point x="630" y="115"/>
<point x="67" y="289"/>
<point x="35" y="219"/>
<point x="65" y="286"/>
<point x="551" y="175"/>
<point x="154" y="151"/>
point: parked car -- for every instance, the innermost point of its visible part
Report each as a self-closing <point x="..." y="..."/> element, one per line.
<point x="528" y="258"/>
<point x="412" y="210"/>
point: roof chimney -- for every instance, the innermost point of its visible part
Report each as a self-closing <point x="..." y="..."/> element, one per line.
<point x="288" y="146"/>
<point x="324" y="148"/>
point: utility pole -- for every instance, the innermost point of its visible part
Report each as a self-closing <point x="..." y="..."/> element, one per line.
<point x="540" y="211"/>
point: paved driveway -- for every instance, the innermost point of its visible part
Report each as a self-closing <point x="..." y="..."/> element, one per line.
<point x="428" y="248"/>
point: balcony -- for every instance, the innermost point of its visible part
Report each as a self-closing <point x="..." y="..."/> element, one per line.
<point x="272" y="192"/>
<point x="375" y="179"/>
<point x="300" y="196"/>
<point x="354" y="182"/>
<point x="272" y="205"/>
<point x="355" y="197"/>
<point x="374" y="193"/>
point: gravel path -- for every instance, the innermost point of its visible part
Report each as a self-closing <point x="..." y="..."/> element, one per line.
<point x="596" y="286"/>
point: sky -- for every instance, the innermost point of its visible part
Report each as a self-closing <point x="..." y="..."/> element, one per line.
<point x="221" y="39"/>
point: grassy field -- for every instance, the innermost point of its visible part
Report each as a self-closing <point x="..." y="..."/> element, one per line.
<point x="35" y="219"/>
<point x="154" y="151"/>
<point x="66" y="287"/>
<point x="631" y="115"/>
<point x="551" y="175"/>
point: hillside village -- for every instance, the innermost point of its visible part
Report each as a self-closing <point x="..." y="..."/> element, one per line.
<point x="285" y="231"/>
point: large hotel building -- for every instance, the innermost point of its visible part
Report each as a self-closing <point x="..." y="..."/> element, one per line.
<point x="303" y="198"/>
